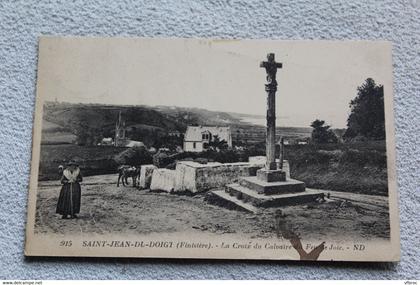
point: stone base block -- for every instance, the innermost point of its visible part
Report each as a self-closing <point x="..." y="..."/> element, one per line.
<point x="163" y="180"/>
<point x="269" y="188"/>
<point x="263" y="159"/>
<point x="146" y="172"/>
<point x="271" y="175"/>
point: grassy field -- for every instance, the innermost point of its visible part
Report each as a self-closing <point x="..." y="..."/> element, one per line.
<point x="92" y="159"/>
<point x="358" y="167"/>
<point x="55" y="134"/>
<point x="255" y="134"/>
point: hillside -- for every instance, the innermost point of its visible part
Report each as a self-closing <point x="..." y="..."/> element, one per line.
<point x="197" y="116"/>
<point x="64" y="122"/>
<point x="104" y="116"/>
<point x="53" y="133"/>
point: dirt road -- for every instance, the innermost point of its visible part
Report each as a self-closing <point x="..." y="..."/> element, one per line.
<point x="107" y="208"/>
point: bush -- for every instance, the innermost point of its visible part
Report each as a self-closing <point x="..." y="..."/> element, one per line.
<point x="310" y="155"/>
<point x="201" y="160"/>
<point x="322" y="133"/>
<point x="161" y="159"/>
<point x="134" y="156"/>
<point x="350" y="167"/>
<point x="93" y="160"/>
<point x="358" y="138"/>
<point x="364" y="158"/>
<point x="171" y="166"/>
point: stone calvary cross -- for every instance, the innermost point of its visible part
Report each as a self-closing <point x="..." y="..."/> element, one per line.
<point x="271" y="67"/>
<point x="270" y="187"/>
<point x="271" y="87"/>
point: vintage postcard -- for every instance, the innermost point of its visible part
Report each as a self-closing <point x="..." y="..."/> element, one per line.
<point x="218" y="149"/>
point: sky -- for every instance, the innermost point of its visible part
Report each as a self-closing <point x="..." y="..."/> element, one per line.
<point x="317" y="81"/>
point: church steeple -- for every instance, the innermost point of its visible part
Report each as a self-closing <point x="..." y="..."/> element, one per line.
<point x="119" y="129"/>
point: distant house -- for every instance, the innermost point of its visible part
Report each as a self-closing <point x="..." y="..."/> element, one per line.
<point x="131" y="143"/>
<point x="295" y="141"/>
<point x="197" y="139"/>
<point x="303" y="141"/>
<point x="174" y="134"/>
<point x="107" y="141"/>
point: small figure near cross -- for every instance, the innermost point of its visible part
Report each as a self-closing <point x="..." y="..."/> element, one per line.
<point x="271" y="68"/>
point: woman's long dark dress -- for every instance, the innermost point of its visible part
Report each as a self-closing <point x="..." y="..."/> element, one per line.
<point x="70" y="196"/>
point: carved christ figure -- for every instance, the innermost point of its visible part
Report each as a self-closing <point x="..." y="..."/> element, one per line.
<point x="271" y="68"/>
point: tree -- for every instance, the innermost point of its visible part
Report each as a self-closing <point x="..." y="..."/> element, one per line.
<point x="86" y="131"/>
<point x="133" y="156"/>
<point x="217" y="143"/>
<point x="322" y="133"/>
<point x="87" y="136"/>
<point x="367" y="117"/>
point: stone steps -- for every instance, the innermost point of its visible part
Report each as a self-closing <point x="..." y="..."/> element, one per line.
<point x="250" y="196"/>
<point x="272" y="188"/>
<point x="221" y="198"/>
<point x="253" y="194"/>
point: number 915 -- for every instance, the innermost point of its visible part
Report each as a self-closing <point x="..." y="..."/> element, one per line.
<point x="66" y="243"/>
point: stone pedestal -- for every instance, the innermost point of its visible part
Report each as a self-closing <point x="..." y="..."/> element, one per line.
<point x="269" y="188"/>
<point x="271" y="175"/>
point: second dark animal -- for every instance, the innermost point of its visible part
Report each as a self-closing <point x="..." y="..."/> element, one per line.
<point x="126" y="171"/>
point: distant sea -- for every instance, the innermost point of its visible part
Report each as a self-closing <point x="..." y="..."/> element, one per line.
<point x="256" y="120"/>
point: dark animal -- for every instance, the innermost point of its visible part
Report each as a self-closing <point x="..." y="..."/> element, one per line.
<point x="126" y="171"/>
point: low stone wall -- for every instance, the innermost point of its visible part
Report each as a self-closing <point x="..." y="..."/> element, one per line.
<point x="195" y="177"/>
<point x="163" y="180"/>
<point x="257" y="159"/>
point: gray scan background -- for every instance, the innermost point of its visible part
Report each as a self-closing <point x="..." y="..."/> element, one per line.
<point x="21" y="22"/>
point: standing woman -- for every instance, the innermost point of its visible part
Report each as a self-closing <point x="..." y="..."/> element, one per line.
<point x="69" y="200"/>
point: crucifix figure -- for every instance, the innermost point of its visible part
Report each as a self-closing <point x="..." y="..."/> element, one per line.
<point x="271" y="87"/>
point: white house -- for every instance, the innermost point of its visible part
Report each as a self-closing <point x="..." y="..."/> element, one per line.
<point x="106" y="141"/>
<point x="131" y="143"/>
<point x="197" y="139"/>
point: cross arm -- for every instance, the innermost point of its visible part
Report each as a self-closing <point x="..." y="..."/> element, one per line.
<point x="267" y="64"/>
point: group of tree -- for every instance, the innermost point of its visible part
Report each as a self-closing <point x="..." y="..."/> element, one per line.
<point x="134" y="156"/>
<point x="366" y="120"/>
<point x="85" y="132"/>
<point x="218" y="144"/>
<point x="322" y="133"/>
<point x="367" y="116"/>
